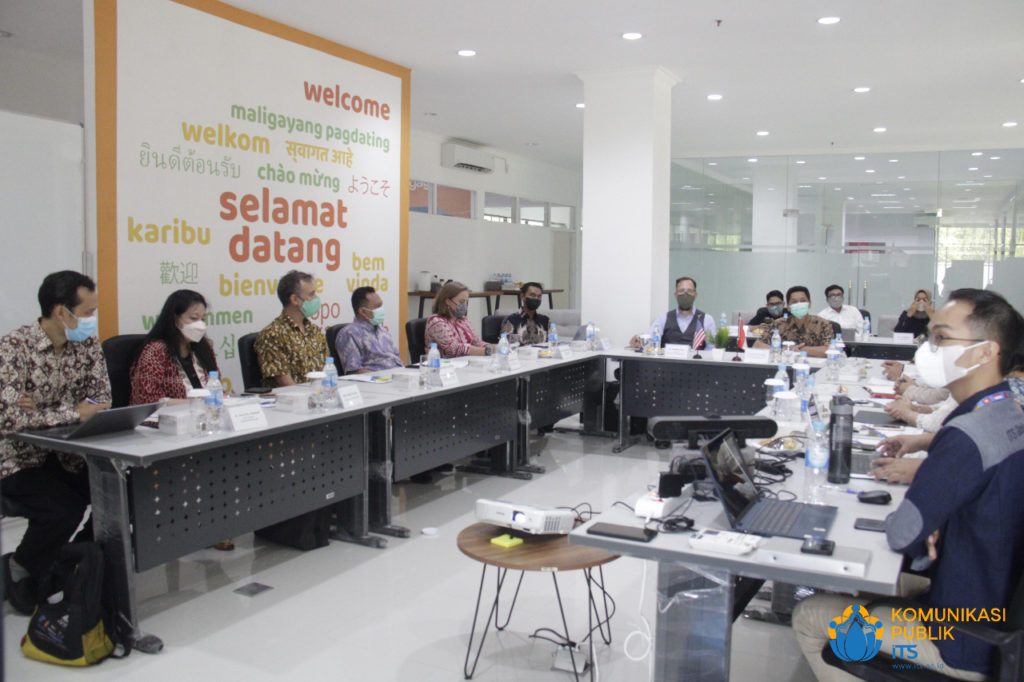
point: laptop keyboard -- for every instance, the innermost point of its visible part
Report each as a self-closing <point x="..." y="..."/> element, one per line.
<point x="772" y="516"/>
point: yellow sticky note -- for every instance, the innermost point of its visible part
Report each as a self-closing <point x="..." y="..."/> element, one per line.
<point x="506" y="541"/>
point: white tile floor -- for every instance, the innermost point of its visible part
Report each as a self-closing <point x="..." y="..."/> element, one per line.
<point x="346" y="612"/>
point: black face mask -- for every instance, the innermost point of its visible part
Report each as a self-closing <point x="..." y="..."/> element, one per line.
<point x="531" y="303"/>
<point x="685" y="301"/>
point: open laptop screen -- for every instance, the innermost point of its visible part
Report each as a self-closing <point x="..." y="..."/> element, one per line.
<point x="734" y="486"/>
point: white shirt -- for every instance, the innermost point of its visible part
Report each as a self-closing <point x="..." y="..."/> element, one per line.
<point x="847" y="317"/>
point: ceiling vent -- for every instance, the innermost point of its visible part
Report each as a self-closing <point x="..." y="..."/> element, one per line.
<point x="455" y="155"/>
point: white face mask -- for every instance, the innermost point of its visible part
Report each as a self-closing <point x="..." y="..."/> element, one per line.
<point x="194" y="331"/>
<point x="938" y="368"/>
<point x="920" y="307"/>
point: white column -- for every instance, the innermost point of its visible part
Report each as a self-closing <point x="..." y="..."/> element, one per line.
<point x="773" y="193"/>
<point x="626" y="169"/>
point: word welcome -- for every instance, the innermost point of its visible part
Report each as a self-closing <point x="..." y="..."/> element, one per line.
<point x="334" y="97"/>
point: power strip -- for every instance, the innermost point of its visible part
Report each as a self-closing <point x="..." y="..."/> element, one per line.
<point x="563" y="661"/>
<point x="650" y="506"/>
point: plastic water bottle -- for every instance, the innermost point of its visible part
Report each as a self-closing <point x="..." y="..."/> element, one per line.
<point x="434" y="363"/>
<point x="214" y="402"/>
<point x="503" y="350"/>
<point x="832" y="361"/>
<point x="783" y="376"/>
<point x="591" y="336"/>
<point x="867" y="328"/>
<point x="552" y="335"/>
<point x="776" y="352"/>
<point x="815" y="464"/>
<point x="800" y="374"/>
<point x="841" y="347"/>
<point x="809" y="389"/>
<point x="723" y="320"/>
<point x="330" y="383"/>
<point x="655" y="340"/>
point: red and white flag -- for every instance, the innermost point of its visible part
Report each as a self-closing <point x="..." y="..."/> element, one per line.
<point x="741" y="343"/>
<point x="698" y="338"/>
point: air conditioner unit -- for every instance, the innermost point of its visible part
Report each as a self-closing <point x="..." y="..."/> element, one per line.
<point x="455" y="155"/>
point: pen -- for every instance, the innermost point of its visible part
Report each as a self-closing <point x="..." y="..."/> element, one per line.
<point x="91" y="401"/>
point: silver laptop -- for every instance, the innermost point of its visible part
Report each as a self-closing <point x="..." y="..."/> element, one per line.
<point x="746" y="510"/>
<point x="106" y="421"/>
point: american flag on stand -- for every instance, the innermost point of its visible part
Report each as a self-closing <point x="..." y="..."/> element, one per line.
<point x="698" y="338"/>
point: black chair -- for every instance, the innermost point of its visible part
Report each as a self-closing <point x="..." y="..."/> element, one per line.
<point x="332" y="335"/>
<point x="490" y="328"/>
<point x="837" y="329"/>
<point x="1007" y="639"/>
<point x="865" y="314"/>
<point x="415" y="335"/>
<point x="120" y="352"/>
<point x="252" y="377"/>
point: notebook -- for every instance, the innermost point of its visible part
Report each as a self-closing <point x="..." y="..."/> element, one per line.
<point x="746" y="510"/>
<point x="106" y="421"/>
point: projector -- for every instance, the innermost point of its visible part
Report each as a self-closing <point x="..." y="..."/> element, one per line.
<point x="526" y="517"/>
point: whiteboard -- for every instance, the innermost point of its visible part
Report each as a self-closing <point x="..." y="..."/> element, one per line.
<point x="42" y="211"/>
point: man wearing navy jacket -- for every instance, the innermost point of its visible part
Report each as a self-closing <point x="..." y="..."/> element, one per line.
<point x="960" y="522"/>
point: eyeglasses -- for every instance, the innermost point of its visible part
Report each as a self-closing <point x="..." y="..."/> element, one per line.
<point x="936" y="340"/>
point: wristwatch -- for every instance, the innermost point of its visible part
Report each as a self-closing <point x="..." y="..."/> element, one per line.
<point x="487" y="350"/>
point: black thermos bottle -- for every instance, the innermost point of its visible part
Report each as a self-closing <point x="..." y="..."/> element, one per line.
<point x="840" y="439"/>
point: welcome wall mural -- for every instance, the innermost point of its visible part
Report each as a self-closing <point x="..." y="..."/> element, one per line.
<point x="231" y="149"/>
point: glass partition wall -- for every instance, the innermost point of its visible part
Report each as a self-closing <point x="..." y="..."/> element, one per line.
<point x="880" y="225"/>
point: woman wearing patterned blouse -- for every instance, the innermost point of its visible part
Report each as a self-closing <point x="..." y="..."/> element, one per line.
<point x="178" y="356"/>
<point x="448" y="326"/>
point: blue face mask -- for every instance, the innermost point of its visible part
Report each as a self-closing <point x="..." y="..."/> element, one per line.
<point x="86" y="327"/>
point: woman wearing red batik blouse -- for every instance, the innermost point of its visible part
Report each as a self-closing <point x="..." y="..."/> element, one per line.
<point x="448" y="326"/>
<point x="178" y="356"/>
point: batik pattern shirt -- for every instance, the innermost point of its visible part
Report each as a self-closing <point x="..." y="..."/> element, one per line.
<point x="361" y="345"/>
<point x="57" y="383"/>
<point x="283" y="347"/>
<point x="815" y="331"/>
<point x="157" y="374"/>
<point x="453" y="336"/>
<point x="529" y="329"/>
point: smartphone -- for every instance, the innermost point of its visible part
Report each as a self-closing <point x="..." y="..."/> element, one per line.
<point x="877" y="525"/>
<point x="817" y="546"/>
<point x="623" y="532"/>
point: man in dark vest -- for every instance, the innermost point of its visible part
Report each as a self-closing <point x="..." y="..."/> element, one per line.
<point x="680" y="325"/>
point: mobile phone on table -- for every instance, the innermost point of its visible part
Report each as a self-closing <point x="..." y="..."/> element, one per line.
<point x="814" y="545"/>
<point x="613" y="530"/>
<point x="877" y="525"/>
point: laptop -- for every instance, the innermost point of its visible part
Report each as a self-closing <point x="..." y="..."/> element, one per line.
<point x="746" y="510"/>
<point x="106" y="421"/>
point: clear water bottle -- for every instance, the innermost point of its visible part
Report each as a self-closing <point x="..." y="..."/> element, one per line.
<point x="330" y="383"/>
<point x="723" y="320"/>
<point x="591" y="336"/>
<point x="832" y="361"/>
<point x="800" y="374"/>
<point x="552" y="335"/>
<point x="434" y="363"/>
<point x="783" y="376"/>
<point x="503" y="351"/>
<point x="867" y="328"/>
<point x="815" y="464"/>
<point x="841" y="347"/>
<point x="655" y="340"/>
<point x="776" y="352"/>
<point x="809" y="389"/>
<point x="214" y="402"/>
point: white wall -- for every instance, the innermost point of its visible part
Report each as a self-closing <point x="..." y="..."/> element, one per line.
<point x="470" y="250"/>
<point x="42" y="85"/>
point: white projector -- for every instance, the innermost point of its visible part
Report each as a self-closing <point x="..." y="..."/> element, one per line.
<point x="526" y="517"/>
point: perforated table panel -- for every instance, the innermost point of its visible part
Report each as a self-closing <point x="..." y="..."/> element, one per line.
<point x="187" y="503"/>
<point x="440" y="429"/>
<point x="662" y="388"/>
<point x="557" y="393"/>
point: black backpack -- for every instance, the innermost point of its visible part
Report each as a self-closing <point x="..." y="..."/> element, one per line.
<point x="76" y="630"/>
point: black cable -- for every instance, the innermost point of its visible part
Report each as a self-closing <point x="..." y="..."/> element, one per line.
<point x="623" y="504"/>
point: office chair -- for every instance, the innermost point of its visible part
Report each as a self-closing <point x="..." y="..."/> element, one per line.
<point x="332" y="335"/>
<point x="837" y="329"/>
<point x="490" y="328"/>
<point x="415" y="331"/>
<point x="252" y="376"/>
<point x="120" y="352"/>
<point x="865" y="314"/>
<point x="1008" y="640"/>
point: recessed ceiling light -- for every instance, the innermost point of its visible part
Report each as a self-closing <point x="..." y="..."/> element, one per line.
<point x="894" y="160"/>
<point x="746" y="178"/>
<point x="714" y="97"/>
<point x="986" y="176"/>
<point x="977" y="153"/>
<point x="862" y="89"/>
<point x="838" y="189"/>
<point x="580" y="105"/>
<point x="801" y="162"/>
<point x="532" y="144"/>
<point x="901" y="177"/>
<point x="762" y="133"/>
<point x="771" y="189"/>
<point x="973" y="168"/>
<point x="467" y="53"/>
<point x="828" y="21"/>
<point x="869" y="170"/>
<point x="632" y="36"/>
<point x="712" y="163"/>
<point x="994" y="158"/>
<point x="849" y="198"/>
<point x="859" y="158"/>
<point x="1010" y="124"/>
<point x="751" y="160"/>
<point x="879" y="129"/>
<point x="822" y="177"/>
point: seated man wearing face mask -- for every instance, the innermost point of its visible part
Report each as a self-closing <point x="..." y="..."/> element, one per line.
<point x="960" y="520"/>
<point x="366" y="345"/>
<point x="292" y="346"/>
<point x="771" y="312"/>
<point x="846" y="315"/>
<point x="685" y="323"/>
<point x="528" y="324"/>
<point x="51" y="372"/>
<point x="809" y="332"/>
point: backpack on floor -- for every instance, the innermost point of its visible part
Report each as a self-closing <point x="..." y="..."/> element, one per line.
<point x="71" y="631"/>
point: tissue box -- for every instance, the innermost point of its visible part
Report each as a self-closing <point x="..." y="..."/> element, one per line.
<point x="175" y="419"/>
<point x="293" y="398"/>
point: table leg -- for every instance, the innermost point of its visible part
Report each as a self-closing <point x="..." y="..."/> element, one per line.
<point x="522" y="456"/>
<point x="380" y="468"/>
<point x="625" y="440"/>
<point x="694" y="625"/>
<point x="352" y="515"/>
<point x="422" y="299"/>
<point x="110" y="522"/>
<point x="494" y="615"/>
<point x="497" y="302"/>
<point x="551" y="301"/>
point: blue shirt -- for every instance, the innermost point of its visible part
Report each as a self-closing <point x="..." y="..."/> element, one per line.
<point x="361" y="345"/>
<point x="684" y="322"/>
